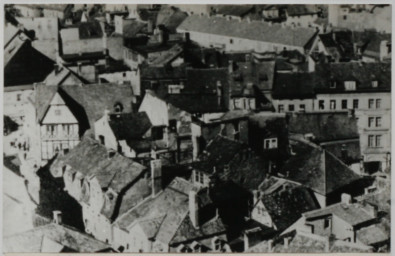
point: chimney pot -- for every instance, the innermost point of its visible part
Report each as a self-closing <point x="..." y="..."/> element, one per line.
<point x="156" y="176"/>
<point x="346" y="199"/>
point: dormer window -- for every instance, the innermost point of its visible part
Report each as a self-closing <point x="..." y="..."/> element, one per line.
<point x="333" y="85"/>
<point x="175" y="89"/>
<point x="350" y="85"/>
<point x="375" y="84"/>
<point x="270" y="143"/>
<point x="118" y="108"/>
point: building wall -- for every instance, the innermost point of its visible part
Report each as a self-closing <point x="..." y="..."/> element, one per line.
<point x="53" y="14"/>
<point x="156" y="109"/>
<point x="321" y="199"/>
<point x="301" y="21"/>
<point x="237" y="44"/>
<point x="260" y="214"/>
<point x="309" y="104"/>
<point x="102" y="128"/>
<point x="44" y="28"/>
<point x="341" y="229"/>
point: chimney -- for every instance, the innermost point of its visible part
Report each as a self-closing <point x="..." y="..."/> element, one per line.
<point x="230" y="66"/>
<point x="371" y="210"/>
<point x="286" y="242"/>
<point x="346" y="199"/>
<point x="57" y="217"/>
<point x="156" y="176"/>
<point x="194" y="208"/>
<point x="270" y="245"/>
<point x="246" y="242"/>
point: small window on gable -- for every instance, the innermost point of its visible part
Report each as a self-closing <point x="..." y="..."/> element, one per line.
<point x="375" y="84"/>
<point x="58" y="112"/>
<point x="270" y="143"/>
<point x="350" y="85"/>
<point x="175" y="88"/>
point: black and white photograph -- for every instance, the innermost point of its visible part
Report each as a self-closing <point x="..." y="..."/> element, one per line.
<point x="196" y="128"/>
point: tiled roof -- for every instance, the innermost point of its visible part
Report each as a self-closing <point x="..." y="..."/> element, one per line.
<point x="286" y="201"/>
<point x="233" y="10"/>
<point x="71" y="240"/>
<point x="324" y="126"/>
<point x="353" y="214"/>
<point x="318" y="169"/>
<point x="362" y="73"/>
<point x="131" y="29"/>
<point x="171" y="18"/>
<point x="129" y="126"/>
<point x="294" y="86"/>
<point x="57" y="78"/>
<point x="255" y="30"/>
<point x="373" y="234"/>
<point x="93" y="99"/>
<point x="348" y="151"/>
<point x="167" y="215"/>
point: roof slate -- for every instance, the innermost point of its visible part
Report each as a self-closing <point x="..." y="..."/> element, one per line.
<point x="254" y="30"/>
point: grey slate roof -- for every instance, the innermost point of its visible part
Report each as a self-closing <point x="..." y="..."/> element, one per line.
<point x="256" y="30"/>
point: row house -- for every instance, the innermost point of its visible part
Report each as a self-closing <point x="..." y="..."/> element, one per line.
<point x="179" y="218"/>
<point x="104" y="183"/>
<point x="66" y="113"/>
<point x="234" y="35"/>
<point x="321" y="171"/>
<point x="346" y="221"/>
<point x="365" y="88"/>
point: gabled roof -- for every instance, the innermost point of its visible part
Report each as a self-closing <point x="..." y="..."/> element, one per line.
<point x="93" y="99"/>
<point x="129" y="126"/>
<point x="286" y="201"/>
<point x="166" y="217"/>
<point x="71" y="240"/>
<point x="325" y="126"/>
<point x="58" y="77"/>
<point x="318" y="169"/>
<point x="254" y="30"/>
<point x="353" y="214"/>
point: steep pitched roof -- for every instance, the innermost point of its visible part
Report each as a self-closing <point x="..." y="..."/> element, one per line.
<point x="318" y="169"/>
<point x="325" y="126"/>
<point x="166" y="216"/>
<point x="67" y="237"/>
<point x="254" y="30"/>
<point x="353" y="214"/>
<point x="286" y="201"/>
<point x="129" y="126"/>
<point x="93" y="99"/>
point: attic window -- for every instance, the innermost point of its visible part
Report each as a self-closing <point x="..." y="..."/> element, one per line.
<point x="350" y="85"/>
<point x="270" y="143"/>
<point x="175" y="89"/>
<point x="118" y="108"/>
<point x="333" y="85"/>
<point x="375" y="84"/>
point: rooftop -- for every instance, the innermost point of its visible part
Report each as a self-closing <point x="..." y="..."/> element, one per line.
<point x="253" y="30"/>
<point x="67" y="239"/>
<point x="129" y="126"/>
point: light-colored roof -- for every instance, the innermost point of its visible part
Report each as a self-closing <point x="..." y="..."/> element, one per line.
<point x="254" y="30"/>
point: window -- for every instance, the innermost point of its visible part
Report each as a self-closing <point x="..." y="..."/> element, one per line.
<point x="375" y="84"/>
<point x="378" y="121"/>
<point x="101" y="139"/>
<point x="333" y="85"/>
<point x="18" y="97"/>
<point x="332" y="104"/>
<point x="321" y="104"/>
<point x="118" y="108"/>
<point x="350" y="85"/>
<point x="374" y="141"/>
<point x="173" y="125"/>
<point x="280" y="108"/>
<point x="236" y="133"/>
<point x="199" y="177"/>
<point x="371" y="103"/>
<point x="370" y="121"/>
<point x="327" y="223"/>
<point x="344" y="104"/>
<point x="302" y="107"/>
<point x="355" y="104"/>
<point x="67" y="129"/>
<point x="175" y="88"/>
<point x="238" y="103"/>
<point x="344" y="17"/>
<point x="270" y="143"/>
<point x="124" y="74"/>
<point x="378" y="103"/>
<point x="252" y="103"/>
<point x="157" y="133"/>
<point x="291" y="107"/>
<point x="51" y="130"/>
<point x="231" y="41"/>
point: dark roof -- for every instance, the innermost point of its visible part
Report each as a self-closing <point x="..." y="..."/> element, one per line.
<point x="168" y="217"/>
<point x="171" y="18"/>
<point x="318" y="169"/>
<point x="89" y="29"/>
<point x="131" y="29"/>
<point x="158" y="73"/>
<point x="93" y="99"/>
<point x="325" y="126"/>
<point x="254" y="30"/>
<point x="66" y="237"/>
<point x="234" y="10"/>
<point x="259" y="74"/>
<point x="13" y="164"/>
<point x="349" y="151"/>
<point x="293" y="86"/>
<point x="129" y="126"/>
<point x="286" y="201"/>
<point x="362" y="73"/>
<point x="301" y="9"/>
